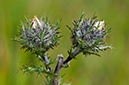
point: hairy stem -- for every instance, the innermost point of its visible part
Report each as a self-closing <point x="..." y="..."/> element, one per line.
<point x="75" y="52"/>
<point x="46" y="61"/>
<point x="60" y="63"/>
<point x="57" y="69"/>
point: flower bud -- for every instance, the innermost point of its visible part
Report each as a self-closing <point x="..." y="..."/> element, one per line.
<point x="88" y="34"/>
<point x="38" y="35"/>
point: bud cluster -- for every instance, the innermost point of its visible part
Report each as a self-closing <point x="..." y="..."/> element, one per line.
<point x="38" y="36"/>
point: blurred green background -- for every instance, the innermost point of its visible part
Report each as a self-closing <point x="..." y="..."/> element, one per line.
<point x="110" y="69"/>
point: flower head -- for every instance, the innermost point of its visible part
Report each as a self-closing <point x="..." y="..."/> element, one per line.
<point x="89" y="34"/>
<point x="37" y="35"/>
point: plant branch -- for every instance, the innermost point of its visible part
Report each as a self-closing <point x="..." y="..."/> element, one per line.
<point x="61" y="63"/>
<point x="69" y="58"/>
<point x="46" y="61"/>
<point x="57" y="69"/>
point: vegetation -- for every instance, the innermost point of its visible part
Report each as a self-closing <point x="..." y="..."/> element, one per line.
<point x="38" y="36"/>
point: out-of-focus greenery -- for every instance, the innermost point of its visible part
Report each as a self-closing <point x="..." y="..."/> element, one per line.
<point x="110" y="69"/>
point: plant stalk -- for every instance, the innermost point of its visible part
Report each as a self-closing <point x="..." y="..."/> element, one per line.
<point x="57" y="69"/>
<point x="60" y="63"/>
<point x="46" y="61"/>
<point x="75" y="52"/>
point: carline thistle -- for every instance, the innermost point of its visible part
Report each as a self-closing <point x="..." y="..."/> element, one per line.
<point x="38" y="35"/>
<point x="88" y="35"/>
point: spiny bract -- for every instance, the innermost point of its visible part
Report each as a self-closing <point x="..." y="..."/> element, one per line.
<point x="89" y="34"/>
<point x="37" y="35"/>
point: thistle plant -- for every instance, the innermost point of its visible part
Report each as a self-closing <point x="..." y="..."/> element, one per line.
<point x="38" y="36"/>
